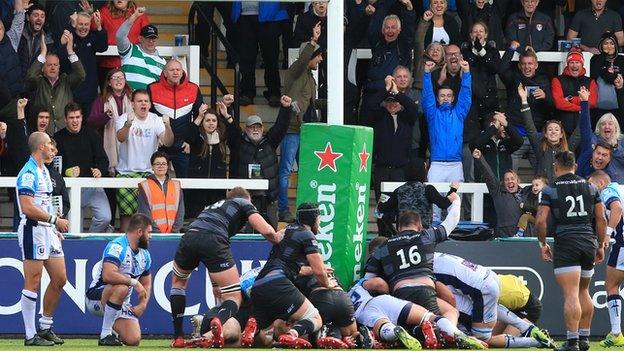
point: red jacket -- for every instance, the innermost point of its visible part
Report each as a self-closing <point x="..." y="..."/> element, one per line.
<point x="565" y="95"/>
<point x="111" y="24"/>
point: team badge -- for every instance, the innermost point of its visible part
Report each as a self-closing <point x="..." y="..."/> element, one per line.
<point x="539" y="27"/>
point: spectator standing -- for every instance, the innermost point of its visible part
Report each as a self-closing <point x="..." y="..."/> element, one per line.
<point x="58" y="184"/>
<point x="482" y="11"/>
<point x="540" y="100"/>
<point x="391" y="46"/>
<point x="140" y="62"/>
<point x="83" y="156"/>
<point x="530" y="27"/>
<point x="589" y="25"/>
<point x="306" y="22"/>
<point x="161" y="197"/>
<point x="446" y="125"/>
<point x="175" y="96"/>
<point x="253" y="155"/>
<point x="300" y="85"/>
<point x="51" y="89"/>
<point x="114" y="14"/>
<point x="565" y="89"/>
<point x="139" y="132"/>
<point x="207" y="157"/>
<point x="434" y="52"/>
<point x="450" y="73"/>
<point x="86" y="44"/>
<point x="605" y="68"/>
<point x="31" y="38"/>
<point x="439" y="26"/>
<point x="10" y="67"/>
<point x="545" y="145"/>
<point x="259" y="24"/>
<point x="506" y="196"/>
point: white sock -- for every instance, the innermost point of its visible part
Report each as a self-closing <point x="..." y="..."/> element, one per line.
<point x="447" y="327"/>
<point x="45" y="322"/>
<point x="29" y="304"/>
<point x="519" y="341"/>
<point x="614" y="303"/>
<point x="386" y="332"/>
<point x="506" y="316"/>
<point x="111" y="312"/>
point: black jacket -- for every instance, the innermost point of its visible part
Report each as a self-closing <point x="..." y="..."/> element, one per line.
<point x="497" y="155"/>
<point x="450" y="26"/>
<point x="86" y="48"/>
<point x="392" y="148"/>
<point x="303" y="29"/>
<point x="83" y="149"/>
<point x="537" y="31"/>
<point x="59" y="188"/>
<point x="491" y="15"/>
<point x="11" y="68"/>
<point x="212" y="165"/>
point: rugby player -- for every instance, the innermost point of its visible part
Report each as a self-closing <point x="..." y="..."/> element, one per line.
<point x="573" y="203"/>
<point x="207" y="241"/>
<point x="125" y="266"/>
<point x="39" y="239"/>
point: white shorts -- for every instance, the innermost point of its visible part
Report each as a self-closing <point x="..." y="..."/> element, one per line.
<point x="616" y="257"/>
<point x="38" y="242"/>
<point x="95" y="308"/>
<point x="483" y="308"/>
<point x="383" y="306"/>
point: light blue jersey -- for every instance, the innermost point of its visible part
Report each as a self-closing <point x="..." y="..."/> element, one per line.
<point x="35" y="182"/>
<point x="608" y="195"/>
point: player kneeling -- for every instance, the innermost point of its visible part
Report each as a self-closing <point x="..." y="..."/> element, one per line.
<point x="125" y="266"/>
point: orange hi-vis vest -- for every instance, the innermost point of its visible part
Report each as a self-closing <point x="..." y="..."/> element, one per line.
<point x="163" y="205"/>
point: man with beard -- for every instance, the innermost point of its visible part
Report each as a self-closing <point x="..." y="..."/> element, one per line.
<point x="125" y="266"/>
<point x="589" y="24"/>
<point x="32" y="36"/>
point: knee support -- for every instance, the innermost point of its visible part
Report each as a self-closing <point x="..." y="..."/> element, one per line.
<point x="178" y="273"/>
<point x="230" y="289"/>
<point x="306" y="324"/>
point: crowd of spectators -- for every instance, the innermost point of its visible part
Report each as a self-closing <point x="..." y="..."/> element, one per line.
<point x="430" y="91"/>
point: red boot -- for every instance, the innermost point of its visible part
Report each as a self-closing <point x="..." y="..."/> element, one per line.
<point x="217" y="333"/>
<point x="293" y="342"/>
<point x="247" y="337"/>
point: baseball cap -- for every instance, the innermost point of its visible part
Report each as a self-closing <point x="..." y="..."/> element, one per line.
<point x="149" y="31"/>
<point x="253" y="119"/>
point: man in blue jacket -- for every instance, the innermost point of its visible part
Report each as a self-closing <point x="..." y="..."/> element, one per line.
<point x="446" y="126"/>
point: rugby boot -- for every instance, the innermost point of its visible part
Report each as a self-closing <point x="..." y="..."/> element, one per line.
<point x="200" y="342"/>
<point x="217" y="333"/>
<point x="330" y="342"/>
<point x="178" y="343"/>
<point x="430" y="340"/>
<point x="365" y="339"/>
<point x="48" y="334"/>
<point x="568" y="346"/>
<point x="248" y="335"/>
<point x="584" y="344"/>
<point x="38" y="341"/>
<point x="196" y="321"/>
<point x="110" y="340"/>
<point x="464" y="341"/>
<point x="350" y="342"/>
<point x="293" y="342"/>
<point x="410" y="342"/>
<point x="542" y="337"/>
<point x="613" y="340"/>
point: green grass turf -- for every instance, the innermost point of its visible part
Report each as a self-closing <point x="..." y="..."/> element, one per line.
<point x="148" y="344"/>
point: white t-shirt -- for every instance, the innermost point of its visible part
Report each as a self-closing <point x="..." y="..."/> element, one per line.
<point x="142" y="142"/>
<point x="439" y="35"/>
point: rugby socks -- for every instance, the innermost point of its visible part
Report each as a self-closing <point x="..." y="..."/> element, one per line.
<point x="177" y="297"/>
<point x="28" y="302"/>
<point x="519" y="341"/>
<point x="446" y="326"/>
<point x="227" y="309"/>
<point x="584" y="334"/>
<point x="303" y="327"/>
<point x="506" y="316"/>
<point x="386" y="332"/>
<point x="111" y="312"/>
<point x="572" y="337"/>
<point x="45" y="322"/>
<point x="614" y="303"/>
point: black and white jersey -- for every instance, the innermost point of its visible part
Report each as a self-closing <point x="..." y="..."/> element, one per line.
<point x="225" y="217"/>
<point x="571" y="200"/>
<point x="290" y="254"/>
<point x="408" y="254"/>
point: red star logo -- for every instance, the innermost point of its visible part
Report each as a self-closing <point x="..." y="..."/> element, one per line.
<point x="363" y="159"/>
<point x="328" y="157"/>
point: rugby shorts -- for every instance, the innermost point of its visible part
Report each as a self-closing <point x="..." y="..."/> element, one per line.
<point x="213" y="250"/>
<point x="275" y="297"/>
<point x="422" y="295"/>
<point x="384" y="306"/>
<point x="573" y="253"/>
<point x="334" y="306"/>
<point x="38" y="241"/>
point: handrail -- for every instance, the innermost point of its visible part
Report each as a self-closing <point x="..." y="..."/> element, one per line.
<point x="75" y="186"/>
<point x="211" y="67"/>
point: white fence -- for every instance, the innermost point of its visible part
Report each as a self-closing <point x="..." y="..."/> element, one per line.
<point x="75" y="186"/>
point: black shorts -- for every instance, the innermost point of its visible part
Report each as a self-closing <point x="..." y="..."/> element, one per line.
<point x="532" y="310"/>
<point x="275" y="299"/>
<point x="334" y="306"/>
<point x="422" y="295"/>
<point x="210" y="249"/>
<point x="574" y="250"/>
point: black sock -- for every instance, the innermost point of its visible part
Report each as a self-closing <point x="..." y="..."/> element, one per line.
<point x="177" y="297"/>
<point x="208" y="316"/>
<point x="304" y="327"/>
<point x="224" y="312"/>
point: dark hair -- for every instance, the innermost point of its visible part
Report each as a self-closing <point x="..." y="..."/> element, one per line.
<point x="446" y="86"/>
<point x="415" y="172"/>
<point x="43" y="109"/>
<point x="604" y="145"/>
<point x="116" y="13"/>
<point x="34" y="7"/>
<point x="307" y="213"/>
<point x="375" y="243"/>
<point x="489" y="118"/>
<point x="238" y="193"/>
<point x="205" y="149"/>
<point x="565" y="159"/>
<point x="159" y="154"/>
<point x="138" y="221"/>
<point x="408" y="218"/>
<point x="139" y="91"/>
<point x="71" y="107"/>
<point x="108" y="91"/>
<point x="542" y="178"/>
<point x="528" y="52"/>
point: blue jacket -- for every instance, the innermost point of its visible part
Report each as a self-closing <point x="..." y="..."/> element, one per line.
<point x="267" y="11"/>
<point x="446" y="122"/>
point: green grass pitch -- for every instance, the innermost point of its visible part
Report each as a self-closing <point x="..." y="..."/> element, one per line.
<point x="148" y="344"/>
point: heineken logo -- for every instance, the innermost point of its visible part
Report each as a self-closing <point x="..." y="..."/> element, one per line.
<point x="363" y="158"/>
<point x="328" y="157"/>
